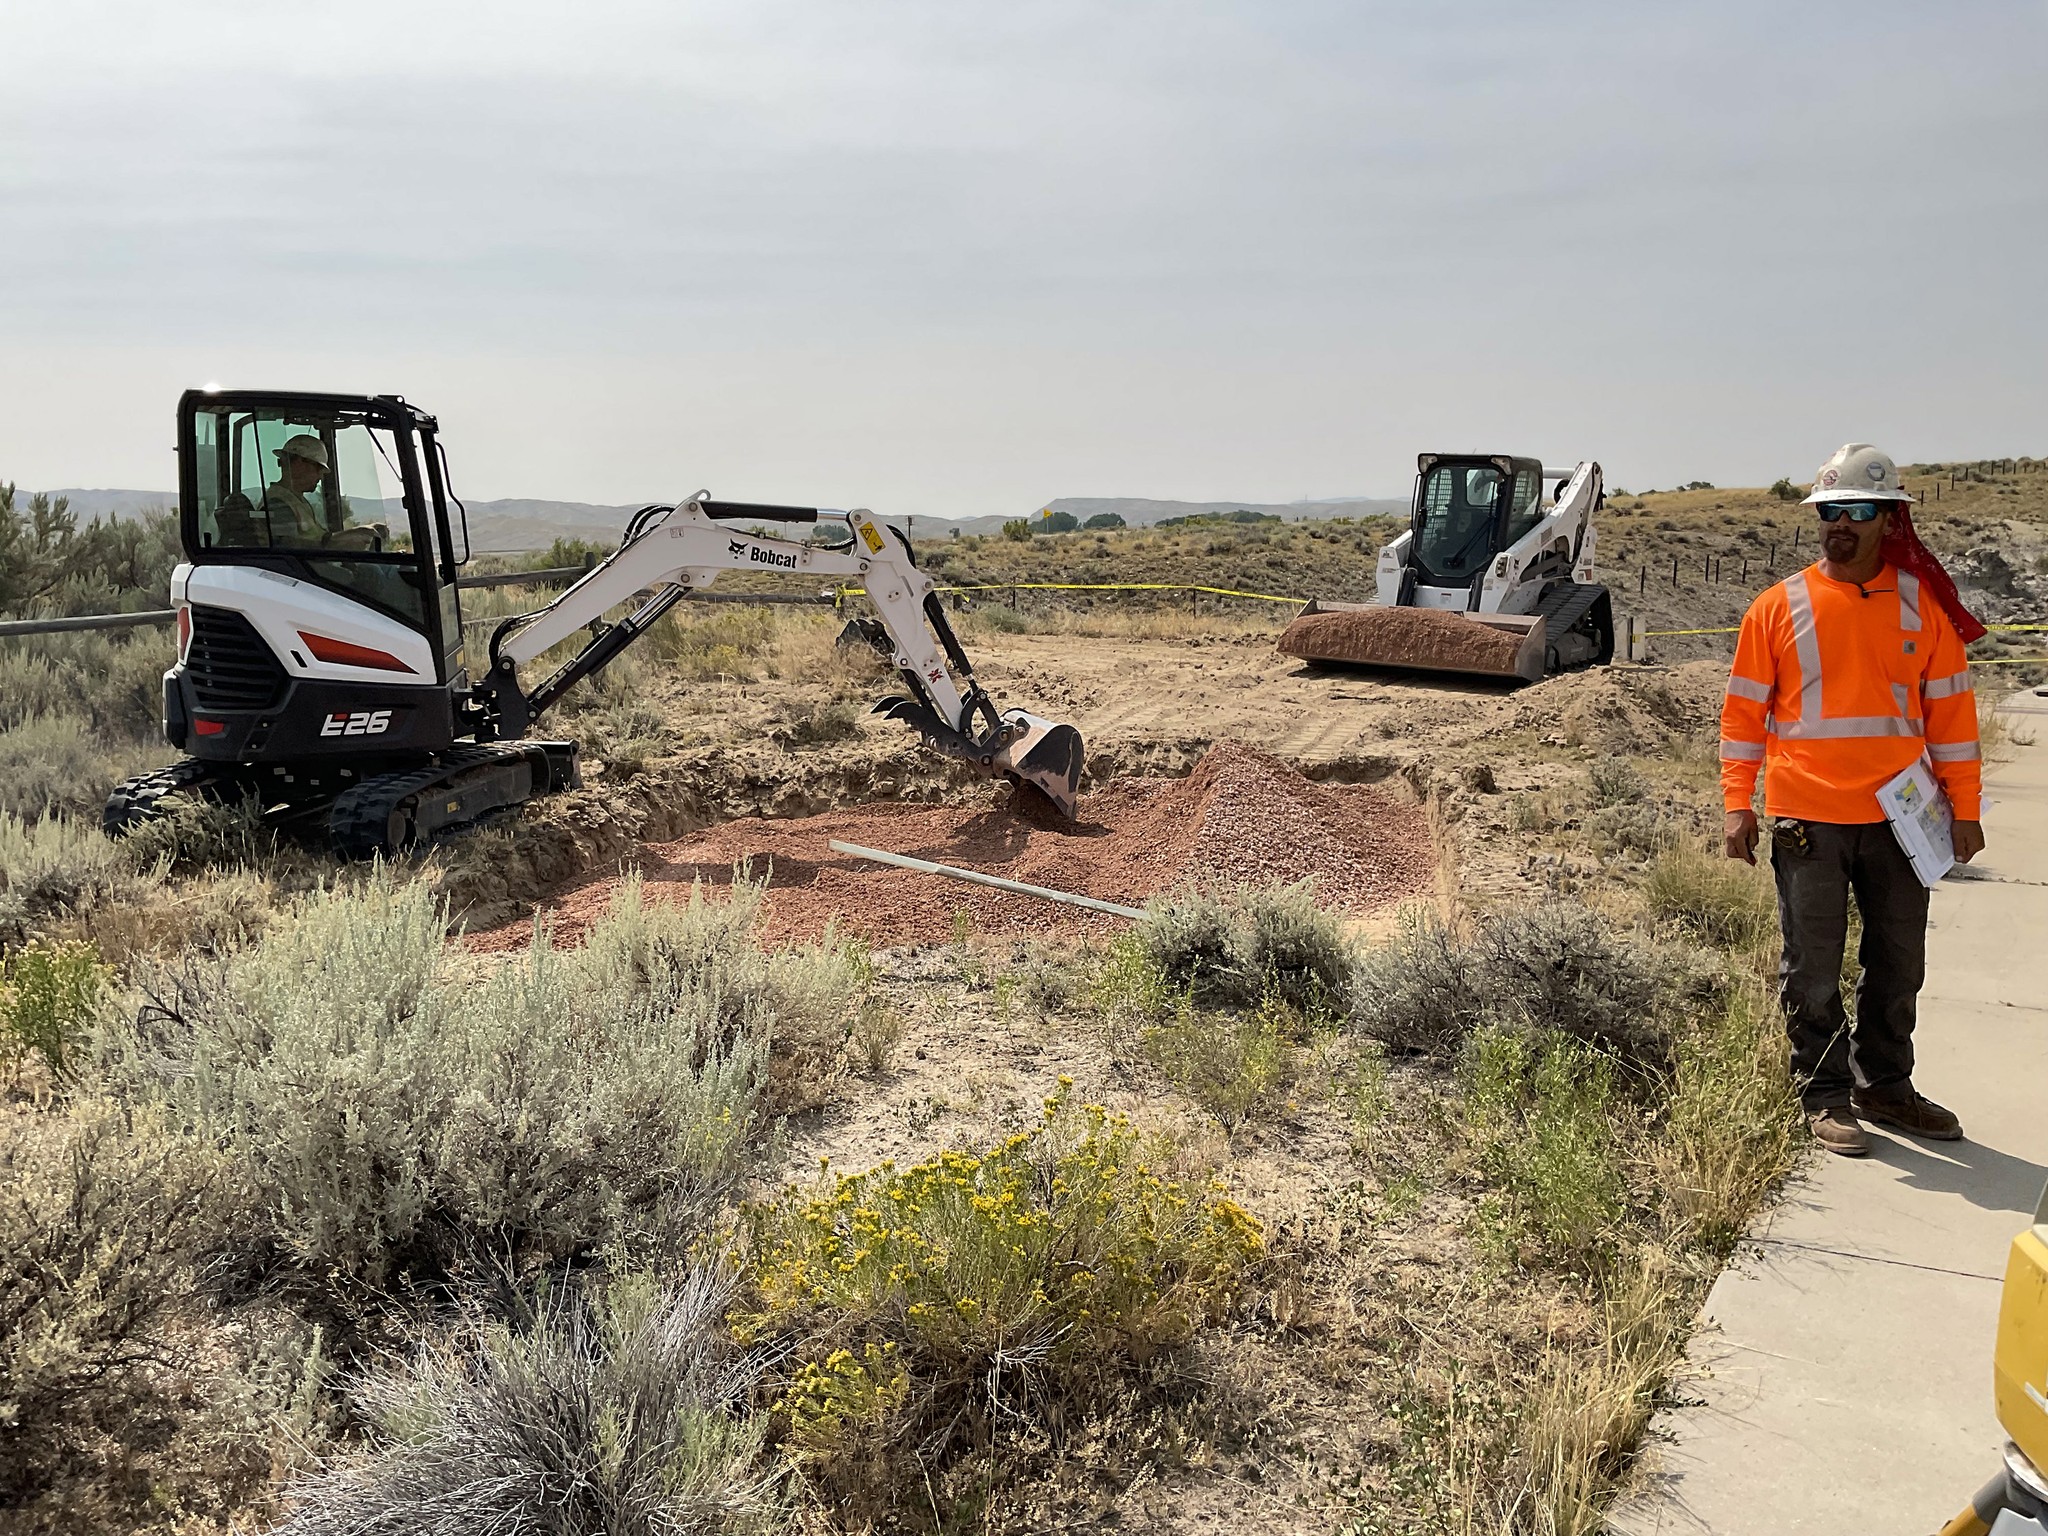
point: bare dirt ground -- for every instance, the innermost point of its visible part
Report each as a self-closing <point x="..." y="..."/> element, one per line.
<point x="1148" y="710"/>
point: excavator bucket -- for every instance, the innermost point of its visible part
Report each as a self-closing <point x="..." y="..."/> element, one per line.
<point x="1507" y="646"/>
<point x="1045" y="755"/>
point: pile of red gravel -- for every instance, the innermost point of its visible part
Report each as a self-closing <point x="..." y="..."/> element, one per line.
<point x="1239" y="817"/>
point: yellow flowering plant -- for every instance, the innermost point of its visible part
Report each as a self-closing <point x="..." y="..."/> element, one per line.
<point x="1060" y="1249"/>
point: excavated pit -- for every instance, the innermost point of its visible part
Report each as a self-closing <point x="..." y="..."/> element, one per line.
<point x="1402" y="637"/>
<point x="1239" y="817"/>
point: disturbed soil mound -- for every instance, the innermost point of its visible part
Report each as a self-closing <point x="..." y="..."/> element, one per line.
<point x="1401" y="637"/>
<point x="1240" y="816"/>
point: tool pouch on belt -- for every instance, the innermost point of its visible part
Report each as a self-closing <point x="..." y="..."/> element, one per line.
<point x="1792" y="837"/>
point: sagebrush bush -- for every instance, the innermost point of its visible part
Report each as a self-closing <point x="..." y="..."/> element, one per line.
<point x="60" y="865"/>
<point x="1616" y="781"/>
<point x="942" y="1304"/>
<point x="114" y="681"/>
<point x="403" y="1109"/>
<point x="55" y="764"/>
<point x="618" y="1410"/>
<point x="1242" y="947"/>
<point x="101" y="1213"/>
<point x="1560" y="966"/>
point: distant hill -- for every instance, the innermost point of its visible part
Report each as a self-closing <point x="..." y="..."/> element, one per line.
<point x="523" y="523"/>
<point x="1139" y="512"/>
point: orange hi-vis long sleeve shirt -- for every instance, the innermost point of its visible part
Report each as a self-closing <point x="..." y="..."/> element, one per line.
<point x="1837" y="688"/>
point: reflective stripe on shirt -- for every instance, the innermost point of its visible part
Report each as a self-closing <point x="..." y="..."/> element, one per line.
<point x="1743" y="688"/>
<point x="1947" y="687"/>
<point x="1954" y="751"/>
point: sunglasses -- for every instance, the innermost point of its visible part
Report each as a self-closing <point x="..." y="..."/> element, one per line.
<point x="1855" y="511"/>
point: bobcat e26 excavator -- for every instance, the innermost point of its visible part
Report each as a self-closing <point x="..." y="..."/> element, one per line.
<point x="1483" y="544"/>
<point x="321" y="668"/>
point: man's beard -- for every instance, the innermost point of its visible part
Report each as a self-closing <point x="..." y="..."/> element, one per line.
<point x="1841" y="546"/>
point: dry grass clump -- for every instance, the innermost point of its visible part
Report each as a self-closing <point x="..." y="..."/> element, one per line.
<point x="932" y="1316"/>
<point x="616" y="1409"/>
<point x="403" y="1116"/>
<point x="1714" y="899"/>
<point x="1129" y="617"/>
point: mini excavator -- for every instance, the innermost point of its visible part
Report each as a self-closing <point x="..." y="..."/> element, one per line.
<point x="321" y="668"/>
<point x="1483" y="545"/>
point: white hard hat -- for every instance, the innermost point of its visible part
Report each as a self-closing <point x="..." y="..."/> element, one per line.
<point x="1858" y="472"/>
<point x="307" y="446"/>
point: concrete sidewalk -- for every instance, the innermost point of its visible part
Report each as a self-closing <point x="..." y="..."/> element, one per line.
<point x="1845" y="1354"/>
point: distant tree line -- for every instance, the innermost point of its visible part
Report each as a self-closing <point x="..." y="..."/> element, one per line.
<point x="50" y="565"/>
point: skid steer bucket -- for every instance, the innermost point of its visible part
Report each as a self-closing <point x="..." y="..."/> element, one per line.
<point x="1043" y="754"/>
<point x="1509" y="646"/>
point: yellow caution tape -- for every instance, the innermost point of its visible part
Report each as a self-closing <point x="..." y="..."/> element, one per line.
<point x="1099" y="586"/>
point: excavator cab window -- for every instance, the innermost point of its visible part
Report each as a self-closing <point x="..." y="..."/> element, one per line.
<point x="1455" y="519"/>
<point x="317" y="492"/>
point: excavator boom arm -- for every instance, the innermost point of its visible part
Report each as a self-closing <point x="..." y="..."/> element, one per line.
<point x="672" y="552"/>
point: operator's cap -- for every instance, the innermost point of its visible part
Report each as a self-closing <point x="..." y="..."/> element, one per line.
<point x="1858" y="472"/>
<point x="307" y="446"/>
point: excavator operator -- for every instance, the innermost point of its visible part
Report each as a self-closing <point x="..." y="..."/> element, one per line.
<point x="1845" y="675"/>
<point x="294" y="518"/>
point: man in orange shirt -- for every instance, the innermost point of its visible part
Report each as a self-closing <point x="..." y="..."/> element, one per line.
<point x="1845" y="674"/>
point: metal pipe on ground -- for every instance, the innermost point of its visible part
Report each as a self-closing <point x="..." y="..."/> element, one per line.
<point x="976" y="877"/>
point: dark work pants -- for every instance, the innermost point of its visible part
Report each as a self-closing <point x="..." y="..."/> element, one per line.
<point x="1813" y="911"/>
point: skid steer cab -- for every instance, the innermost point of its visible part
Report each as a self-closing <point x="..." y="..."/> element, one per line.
<point x="321" y="669"/>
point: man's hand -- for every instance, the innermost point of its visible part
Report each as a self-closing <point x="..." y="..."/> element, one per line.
<point x="1742" y="834"/>
<point x="1968" y="840"/>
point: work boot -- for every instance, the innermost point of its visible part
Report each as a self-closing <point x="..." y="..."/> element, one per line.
<point x="1836" y="1129"/>
<point x="1913" y="1114"/>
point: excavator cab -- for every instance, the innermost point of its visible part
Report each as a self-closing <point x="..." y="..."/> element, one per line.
<point x="317" y="607"/>
<point x="345" y="493"/>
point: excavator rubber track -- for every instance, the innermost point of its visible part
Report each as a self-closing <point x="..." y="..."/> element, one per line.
<point x="388" y="814"/>
<point x="139" y="800"/>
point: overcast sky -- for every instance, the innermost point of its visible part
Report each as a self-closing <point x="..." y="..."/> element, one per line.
<point x="945" y="257"/>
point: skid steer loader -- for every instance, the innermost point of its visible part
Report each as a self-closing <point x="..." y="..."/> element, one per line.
<point x="1489" y="580"/>
<point x="321" y="667"/>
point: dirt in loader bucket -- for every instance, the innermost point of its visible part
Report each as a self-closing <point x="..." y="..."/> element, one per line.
<point x="1426" y="638"/>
